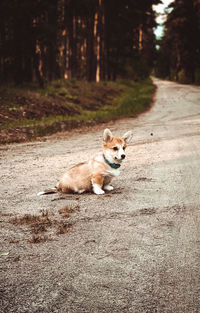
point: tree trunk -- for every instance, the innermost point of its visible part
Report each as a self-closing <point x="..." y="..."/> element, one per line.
<point x="3" y="73"/>
<point x="107" y="28"/>
<point x="17" y="52"/>
<point x="52" y="44"/>
<point x="90" y="55"/>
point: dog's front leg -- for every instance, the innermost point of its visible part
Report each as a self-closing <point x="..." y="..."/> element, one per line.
<point x="97" y="183"/>
<point x="106" y="183"/>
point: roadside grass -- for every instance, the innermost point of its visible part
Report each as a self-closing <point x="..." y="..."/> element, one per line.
<point x="135" y="99"/>
<point x="73" y="104"/>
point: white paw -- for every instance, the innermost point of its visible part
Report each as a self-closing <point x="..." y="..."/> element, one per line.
<point x="40" y="193"/>
<point x="81" y="191"/>
<point x="97" y="190"/>
<point x="108" y="188"/>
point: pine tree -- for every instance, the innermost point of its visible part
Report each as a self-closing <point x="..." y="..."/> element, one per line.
<point x="88" y="39"/>
<point x="180" y="49"/>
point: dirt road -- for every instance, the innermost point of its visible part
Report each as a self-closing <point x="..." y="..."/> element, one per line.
<point x="136" y="249"/>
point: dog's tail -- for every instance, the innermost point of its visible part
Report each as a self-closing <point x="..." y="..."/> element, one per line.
<point x="47" y="191"/>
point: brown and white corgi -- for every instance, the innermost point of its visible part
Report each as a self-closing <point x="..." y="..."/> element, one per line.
<point x="96" y="174"/>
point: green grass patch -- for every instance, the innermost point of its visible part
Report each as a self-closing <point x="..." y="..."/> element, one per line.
<point x="87" y="103"/>
<point x="135" y="99"/>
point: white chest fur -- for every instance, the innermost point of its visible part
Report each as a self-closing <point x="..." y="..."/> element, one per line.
<point x="113" y="172"/>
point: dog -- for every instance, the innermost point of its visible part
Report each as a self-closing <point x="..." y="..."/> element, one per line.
<point x="96" y="174"/>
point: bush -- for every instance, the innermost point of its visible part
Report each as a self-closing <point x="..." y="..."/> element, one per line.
<point x="182" y="77"/>
<point x="197" y="76"/>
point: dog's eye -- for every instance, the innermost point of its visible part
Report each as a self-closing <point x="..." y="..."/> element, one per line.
<point x="124" y="148"/>
<point x="115" y="148"/>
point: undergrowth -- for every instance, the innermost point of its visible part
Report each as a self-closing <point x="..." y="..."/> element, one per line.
<point x="64" y="105"/>
<point x="135" y="99"/>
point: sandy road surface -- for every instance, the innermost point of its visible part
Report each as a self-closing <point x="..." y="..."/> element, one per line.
<point x="136" y="249"/>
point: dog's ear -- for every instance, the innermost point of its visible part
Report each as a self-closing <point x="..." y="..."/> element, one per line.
<point x="107" y="135"/>
<point x="127" y="136"/>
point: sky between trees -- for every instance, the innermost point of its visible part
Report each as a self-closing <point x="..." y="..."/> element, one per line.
<point x="160" y="9"/>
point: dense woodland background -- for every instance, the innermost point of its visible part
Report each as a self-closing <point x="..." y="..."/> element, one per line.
<point x="84" y="39"/>
<point x="179" y="55"/>
<point x="95" y="40"/>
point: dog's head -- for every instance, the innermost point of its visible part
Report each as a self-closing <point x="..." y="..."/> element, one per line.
<point x="114" y="147"/>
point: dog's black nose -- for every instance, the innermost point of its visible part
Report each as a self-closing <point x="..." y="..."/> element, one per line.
<point x="123" y="156"/>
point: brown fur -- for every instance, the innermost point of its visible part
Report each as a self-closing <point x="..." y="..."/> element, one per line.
<point x="96" y="173"/>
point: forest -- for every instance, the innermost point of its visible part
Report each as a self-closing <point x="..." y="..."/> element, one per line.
<point x="178" y="58"/>
<point x="66" y="63"/>
<point x="97" y="40"/>
<point x="94" y="40"/>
